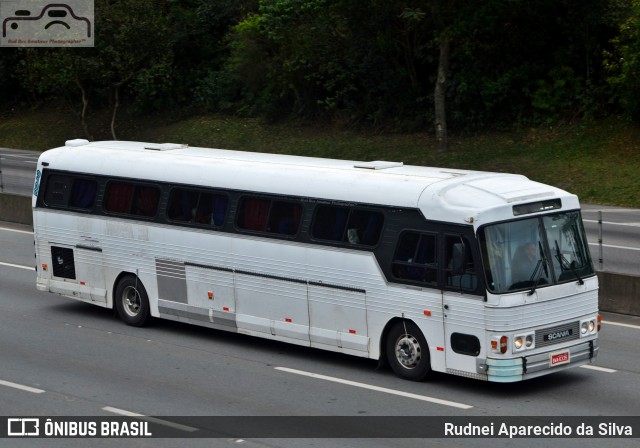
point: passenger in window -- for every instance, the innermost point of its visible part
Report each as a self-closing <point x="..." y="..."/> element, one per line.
<point x="352" y="236"/>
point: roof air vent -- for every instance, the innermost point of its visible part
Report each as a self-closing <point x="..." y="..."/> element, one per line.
<point x="378" y="165"/>
<point x="165" y="146"/>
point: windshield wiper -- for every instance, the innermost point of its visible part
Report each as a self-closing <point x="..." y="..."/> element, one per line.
<point x="565" y="265"/>
<point x="541" y="267"/>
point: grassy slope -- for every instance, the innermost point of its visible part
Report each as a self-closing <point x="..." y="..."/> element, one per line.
<point x="599" y="161"/>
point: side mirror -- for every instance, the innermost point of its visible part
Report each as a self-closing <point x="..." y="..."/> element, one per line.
<point x="459" y="259"/>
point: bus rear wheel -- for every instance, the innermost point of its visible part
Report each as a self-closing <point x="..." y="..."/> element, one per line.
<point x="407" y="352"/>
<point x="132" y="301"/>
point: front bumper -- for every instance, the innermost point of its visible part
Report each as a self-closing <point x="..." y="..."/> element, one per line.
<point x="526" y="367"/>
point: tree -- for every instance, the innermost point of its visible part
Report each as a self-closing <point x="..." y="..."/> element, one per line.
<point x="134" y="40"/>
<point x="61" y="71"/>
<point x="623" y="62"/>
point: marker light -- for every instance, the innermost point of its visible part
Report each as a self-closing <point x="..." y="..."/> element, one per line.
<point x="499" y="344"/>
<point x="503" y="344"/>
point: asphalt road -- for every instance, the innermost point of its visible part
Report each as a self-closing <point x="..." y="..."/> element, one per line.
<point x="59" y="357"/>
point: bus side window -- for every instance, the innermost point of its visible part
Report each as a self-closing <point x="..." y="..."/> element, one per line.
<point x="118" y="197"/>
<point x="253" y="213"/>
<point x="58" y="191"/>
<point x="284" y="218"/>
<point x="335" y="223"/>
<point x="465" y="279"/>
<point x="145" y="201"/>
<point x="182" y="205"/>
<point x="329" y="223"/>
<point x="366" y="225"/>
<point x="416" y="258"/>
<point x="83" y="193"/>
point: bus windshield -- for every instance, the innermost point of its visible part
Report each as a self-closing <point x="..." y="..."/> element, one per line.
<point x="535" y="252"/>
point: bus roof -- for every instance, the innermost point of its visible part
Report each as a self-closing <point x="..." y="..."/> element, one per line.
<point x="450" y="195"/>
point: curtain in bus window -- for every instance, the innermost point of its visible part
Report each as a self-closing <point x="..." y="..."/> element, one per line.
<point x="371" y="233"/>
<point x="364" y="227"/>
<point x="284" y="218"/>
<point x="219" y="209"/>
<point x="329" y="223"/>
<point x="118" y="197"/>
<point x="83" y="193"/>
<point x="146" y="201"/>
<point x="253" y="214"/>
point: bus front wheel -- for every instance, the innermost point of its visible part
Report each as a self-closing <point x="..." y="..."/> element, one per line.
<point x="407" y="351"/>
<point x="132" y="301"/>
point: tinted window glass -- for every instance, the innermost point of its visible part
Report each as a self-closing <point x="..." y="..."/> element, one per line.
<point x="284" y="218"/>
<point x="117" y="198"/>
<point x="197" y="207"/>
<point x="416" y="258"/>
<point x="459" y="268"/>
<point x="83" y="193"/>
<point x="266" y="215"/>
<point x="145" y="201"/>
<point x="58" y="191"/>
<point x="253" y="213"/>
<point x="66" y="191"/>
<point x="353" y="226"/>
<point x="127" y="198"/>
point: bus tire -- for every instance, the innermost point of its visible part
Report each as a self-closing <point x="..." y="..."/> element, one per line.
<point x="132" y="301"/>
<point x="407" y="351"/>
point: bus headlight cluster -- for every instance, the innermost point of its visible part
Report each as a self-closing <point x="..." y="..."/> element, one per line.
<point x="588" y="327"/>
<point x="525" y="341"/>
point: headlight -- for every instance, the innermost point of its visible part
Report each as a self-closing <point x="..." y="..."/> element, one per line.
<point x="518" y="342"/>
<point x="588" y="327"/>
<point x="524" y="342"/>
<point x="529" y="341"/>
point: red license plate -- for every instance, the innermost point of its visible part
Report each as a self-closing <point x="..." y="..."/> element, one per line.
<point x="556" y="359"/>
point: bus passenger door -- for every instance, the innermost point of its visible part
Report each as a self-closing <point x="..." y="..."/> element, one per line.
<point x="463" y="331"/>
<point x="463" y="308"/>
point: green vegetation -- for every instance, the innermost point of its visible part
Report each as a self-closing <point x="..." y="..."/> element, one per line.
<point x="598" y="160"/>
<point x="525" y="86"/>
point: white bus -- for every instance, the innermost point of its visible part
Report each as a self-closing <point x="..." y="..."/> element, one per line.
<point x="478" y="274"/>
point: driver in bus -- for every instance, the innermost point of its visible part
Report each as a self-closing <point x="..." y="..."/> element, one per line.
<point x="524" y="262"/>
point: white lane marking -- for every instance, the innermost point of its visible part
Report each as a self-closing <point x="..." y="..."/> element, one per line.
<point x="609" y="223"/>
<point x="608" y="322"/>
<point x="599" y="369"/>
<point x="615" y="247"/>
<point x="16" y="230"/>
<point x="376" y="388"/>
<point x="10" y="265"/>
<point x="159" y="421"/>
<point x="33" y="390"/>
